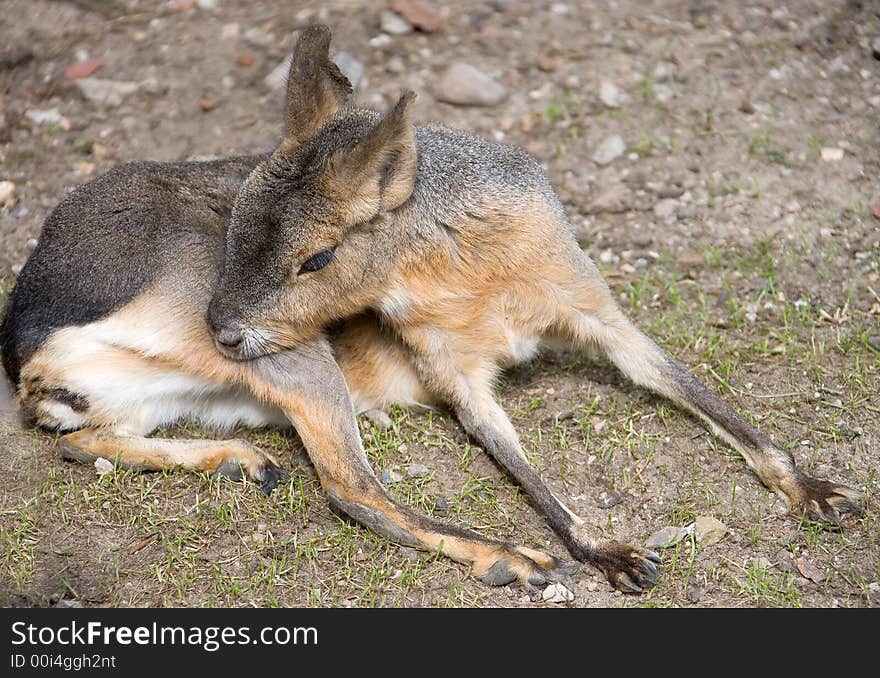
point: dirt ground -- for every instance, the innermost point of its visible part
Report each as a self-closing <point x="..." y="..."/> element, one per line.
<point x="741" y="229"/>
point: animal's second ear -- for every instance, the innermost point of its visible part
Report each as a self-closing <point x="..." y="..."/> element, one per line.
<point x="316" y="88"/>
<point x="380" y="171"/>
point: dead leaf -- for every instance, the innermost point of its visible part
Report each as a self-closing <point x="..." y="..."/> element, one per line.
<point x="809" y="571"/>
<point x="83" y="69"/>
<point x="419" y="13"/>
<point x="142" y="543"/>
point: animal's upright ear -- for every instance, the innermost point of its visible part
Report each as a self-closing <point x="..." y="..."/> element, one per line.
<point x="380" y="171"/>
<point x="316" y="88"/>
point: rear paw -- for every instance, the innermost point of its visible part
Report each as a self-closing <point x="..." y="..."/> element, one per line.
<point x="630" y="569"/>
<point x="513" y="565"/>
<point x="270" y="475"/>
<point x="823" y="502"/>
<point x="265" y="470"/>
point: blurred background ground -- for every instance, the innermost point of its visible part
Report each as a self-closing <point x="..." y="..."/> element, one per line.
<point x="719" y="161"/>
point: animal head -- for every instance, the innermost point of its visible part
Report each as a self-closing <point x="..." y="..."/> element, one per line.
<point x="299" y="251"/>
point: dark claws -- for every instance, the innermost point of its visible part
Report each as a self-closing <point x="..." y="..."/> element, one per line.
<point x="499" y="575"/>
<point x="824" y="502"/>
<point x="629" y="569"/>
<point x="649" y="571"/>
<point x="272" y="475"/>
<point x="228" y="469"/>
<point x="626" y="585"/>
<point x="537" y="579"/>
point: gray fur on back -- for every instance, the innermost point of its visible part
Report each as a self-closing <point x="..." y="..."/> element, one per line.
<point x="111" y="238"/>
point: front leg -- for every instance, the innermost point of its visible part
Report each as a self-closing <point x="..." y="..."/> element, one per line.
<point x="307" y="384"/>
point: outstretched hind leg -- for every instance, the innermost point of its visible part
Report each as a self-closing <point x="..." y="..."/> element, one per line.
<point x="232" y="458"/>
<point x="603" y="324"/>
<point x="465" y="382"/>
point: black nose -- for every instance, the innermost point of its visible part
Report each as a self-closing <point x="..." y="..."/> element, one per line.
<point x="227" y="333"/>
<point x="229" y="337"/>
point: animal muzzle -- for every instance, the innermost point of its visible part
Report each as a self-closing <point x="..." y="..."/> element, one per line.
<point x="228" y="333"/>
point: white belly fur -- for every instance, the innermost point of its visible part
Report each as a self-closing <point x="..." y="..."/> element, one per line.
<point x="105" y="362"/>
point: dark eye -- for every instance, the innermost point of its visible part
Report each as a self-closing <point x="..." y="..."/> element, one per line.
<point x="317" y="261"/>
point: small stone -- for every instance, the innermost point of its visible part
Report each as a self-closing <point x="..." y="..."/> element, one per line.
<point x="207" y="4"/>
<point x="351" y="68"/>
<point x="245" y="59"/>
<point x="547" y="64"/>
<point x="746" y="106"/>
<point x="417" y="471"/>
<point x="84" y="168"/>
<point x="381" y="40"/>
<point x="50" y="116"/>
<point x="230" y="31"/>
<point x="32" y="244"/>
<point x="464" y="85"/>
<point x="874" y="342"/>
<point x="875" y="210"/>
<point x="395" y="65"/>
<point x="153" y="86"/>
<point x="609" y="499"/>
<point x="694" y="593"/>
<point x="103" y="466"/>
<point x="663" y="92"/>
<point x="83" y="69"/>
<point x="874" y="587"/>
<point x="420" y="14"/>
<point x="277" y="78"/>
<point x="614" y="198"/>
<point x="875" y="48"/>
<point x="106" y="93"/>
<point x="609" y="150"/>
<point x="394" y="24"/>
<point x="70" y="604"/>
<point x="761" y="563"/>
<point x="16" y="268"/>
<point x="102" y="152"/>
<point x="258" y="37"/>
<point x="390" y="476"/>
<point x="668" y="536"/>
<point x="207" y="104"/>
<point x="610" y="94"/>
<point x="177" y="6"/>
<point x="666" y="208"/>
<point x="441" y="506"/>
<point x="691" y="260"/>
<point x="831" y="154"/>
<point x="557" y="593"/>
<point x="709" y="531"/>
<point x="7" y="193"/>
